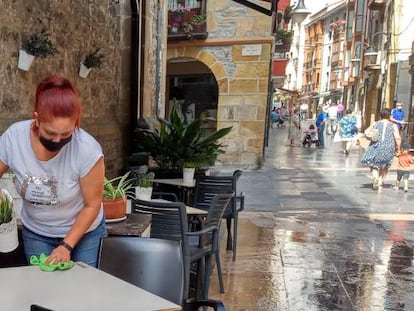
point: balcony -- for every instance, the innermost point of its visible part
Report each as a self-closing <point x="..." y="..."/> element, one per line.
<point x="376" y="5"/>
<point x="189" y="23"/>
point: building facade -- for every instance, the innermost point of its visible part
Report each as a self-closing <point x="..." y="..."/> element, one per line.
<point x="230" y="67"/>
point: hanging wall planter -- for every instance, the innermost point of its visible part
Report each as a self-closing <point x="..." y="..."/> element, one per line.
<point x="25" y="60"/>
<point x="92" y="60"/>
<point x="83" y="71"/>
<point x="37" y="45"/>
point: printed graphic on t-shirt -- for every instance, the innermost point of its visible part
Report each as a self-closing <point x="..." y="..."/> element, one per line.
<point x="41" y="192"/>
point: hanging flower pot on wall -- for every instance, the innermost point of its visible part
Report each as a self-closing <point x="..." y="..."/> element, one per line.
<point x="25" y="60"/>
<point x="83" y="71"/>
<point x="92" y="60"/>
<point x="37" y="45"/>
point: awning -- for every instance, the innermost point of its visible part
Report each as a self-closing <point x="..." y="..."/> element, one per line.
<point x="328" y="94"/>
<point x="282" y="90"/>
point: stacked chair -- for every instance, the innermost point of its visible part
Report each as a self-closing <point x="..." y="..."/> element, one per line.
<point x="207" y="187"/>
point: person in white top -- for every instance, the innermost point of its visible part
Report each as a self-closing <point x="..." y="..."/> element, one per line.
<point x="332" y="123"/>
<point x="59" y="171"/>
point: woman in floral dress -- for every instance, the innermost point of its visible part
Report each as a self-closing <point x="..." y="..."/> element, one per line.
<point x="380" y="154"/>
<point x="348" y="130"/>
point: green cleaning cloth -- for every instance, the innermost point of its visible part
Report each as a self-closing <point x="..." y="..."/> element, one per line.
<point x="50" y="266"/>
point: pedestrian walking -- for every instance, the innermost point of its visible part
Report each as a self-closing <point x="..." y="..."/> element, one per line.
<point x="294" y="128"/>
<point x="347" y="130"/>
<point x="341" y="109"/>
<point x="397" y="116"/>
<point x="320" y="124"/>
<point x="332" y="122"/>
<point x="405" y="161"/>
<point x="380" y="154"/>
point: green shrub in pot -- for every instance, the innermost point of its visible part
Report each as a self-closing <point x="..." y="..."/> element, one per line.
<point x="176" y="142"/>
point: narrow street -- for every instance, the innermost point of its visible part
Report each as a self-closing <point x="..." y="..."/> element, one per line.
<point x="315" y="236"/>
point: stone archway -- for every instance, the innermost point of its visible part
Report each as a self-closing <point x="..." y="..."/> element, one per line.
<point x="205" y="58"/>
<point x="192" y="85"/>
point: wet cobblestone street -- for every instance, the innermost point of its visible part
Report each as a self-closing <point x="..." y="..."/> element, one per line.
<point x="315" y="236"/>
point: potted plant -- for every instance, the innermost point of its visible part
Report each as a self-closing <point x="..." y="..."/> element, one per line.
<point x="115" y="195"/>
<point x="198" y="21"/>
<point x="8" y="225"/>
<point x="92" y="60"/>
<point x="179" y="12"/>
<point x="38" y="44"/>
<point x="284" y="37"/>
<point x="188" y="171"/>
<point x="176" y="142"/>
<point x="145" y="180"/>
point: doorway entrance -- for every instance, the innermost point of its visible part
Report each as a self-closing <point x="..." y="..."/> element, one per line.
<point x="193" y="89"/>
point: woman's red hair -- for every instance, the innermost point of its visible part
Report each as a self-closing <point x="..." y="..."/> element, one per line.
<point x="57" y="97"/>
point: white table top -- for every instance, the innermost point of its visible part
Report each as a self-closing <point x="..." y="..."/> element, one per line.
<point x="81" y="288"/>
<point x="189" y="209"/>
<point x="175" y="182"/>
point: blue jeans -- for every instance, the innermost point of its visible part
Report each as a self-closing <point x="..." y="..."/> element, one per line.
<point x="321" y="135"/>
<point x="85" y="251"/>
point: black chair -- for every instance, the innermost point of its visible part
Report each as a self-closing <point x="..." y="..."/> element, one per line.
<point x="169" y="221"/>
<point x="207" y="187"/>
<point x="156" y="265"/>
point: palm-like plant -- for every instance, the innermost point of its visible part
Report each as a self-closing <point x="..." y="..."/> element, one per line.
<point x="118" y="188"/>
<point x="177" y="142"/>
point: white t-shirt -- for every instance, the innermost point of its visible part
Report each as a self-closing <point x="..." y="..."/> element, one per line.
<point x="333" y="112"/>
<point x="51" y="193"/>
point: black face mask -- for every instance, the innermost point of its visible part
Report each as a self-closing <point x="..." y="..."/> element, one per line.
<point x="52" y="145"/>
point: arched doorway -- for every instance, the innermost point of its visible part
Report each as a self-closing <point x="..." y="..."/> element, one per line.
<point x="193" y="88"/>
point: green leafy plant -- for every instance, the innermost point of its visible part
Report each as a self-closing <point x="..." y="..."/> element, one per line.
<point x="176" y="142"/>
<point x="198" y="19"/>
<point x="94" y="59"/>
<point x="145" y="180"/>
<point x="191" y="164"/>
<point x="284" y="36"/>
<point x="118" y="187"/>
<point x="6" y="210"/>
<point x="39" y="44"/>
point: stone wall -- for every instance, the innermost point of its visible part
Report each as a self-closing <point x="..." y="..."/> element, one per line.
<point x="76" y="27"/>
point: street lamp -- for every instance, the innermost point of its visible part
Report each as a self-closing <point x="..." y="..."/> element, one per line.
<point x="300" y="12"/>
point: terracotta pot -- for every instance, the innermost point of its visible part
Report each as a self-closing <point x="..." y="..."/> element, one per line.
<point x="114" y="209"/>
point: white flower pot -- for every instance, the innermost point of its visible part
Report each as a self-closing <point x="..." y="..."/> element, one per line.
<point x="188" y="175"/>
<point x="25" y="60"/>
<point x="8" y="236"/>
<point x="8" y="232"/>
<point x="83" y="71"/>
<point x="142" y="193"/>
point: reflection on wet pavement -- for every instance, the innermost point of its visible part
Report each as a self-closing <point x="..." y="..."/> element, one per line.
<point x="319" y="240"/>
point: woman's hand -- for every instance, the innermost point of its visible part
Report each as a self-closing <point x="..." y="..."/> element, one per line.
<point x="58" y="255"/>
